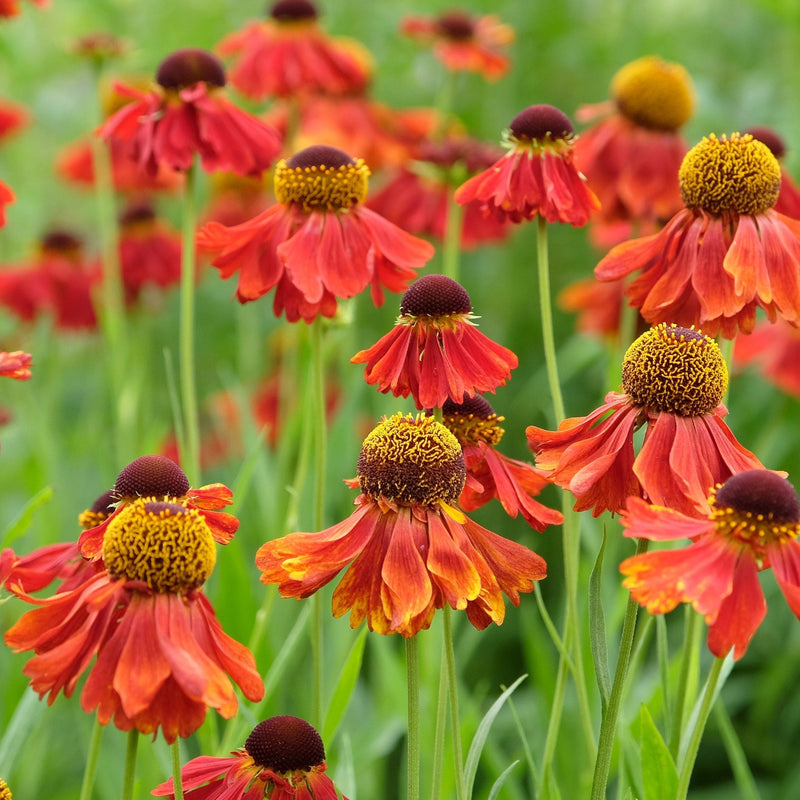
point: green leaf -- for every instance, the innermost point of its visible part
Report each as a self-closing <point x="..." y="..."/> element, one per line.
<point x="498" y="784"/>
<point x="344" y="687"/>
<point x="22" y="522"/>
<point x="659" y="773"/>
<point x="597" y="627"/>
<point x="475" y="749"/>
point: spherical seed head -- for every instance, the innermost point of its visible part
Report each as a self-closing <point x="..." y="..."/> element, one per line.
<point x="472" y="421"/>
<point x="151" y="476"/>
<point x="412" y="460"/>
<point x="541" y="122"/>
<point x="654" y="93"/>
<point x="435" y="296"/>
<point x="189" y="66"/>
<point x="675" y="370"/>
<point x="293" y="11"/>
<point x="285" y="744"/>
<point x="100" y="510"/>
<point x="166" y="545"/>
<point x="322" y="178"/>
<point x="760" y="492"/>
<point x="737" y="174"/>
<point x="456" y="26"/>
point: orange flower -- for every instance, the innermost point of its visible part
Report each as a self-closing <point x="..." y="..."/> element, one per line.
<point x="16" y="364"/>
<point x="673" y="380"/>
<point x="632" y="155"/>
<point x="161" y="655"/>
<point x="752" y="524"/>
<point x="726" y="254"/>
<point x="490" y="474"/>
<point x="775" y="350"/>
<point x="788" y="201"/>
<point x="409" y="549"/>
<point x="189" y="115"/>
<point x="159" y="477"/>
<point x="289" y="55"/>
<point x="13" y="118"/>
<point x="10" y="8"/>
<point x="536" y="176"/>
<point x="464" y="42"/>
<point x="318" y="243"/>
<point x="7" y="197"/>
<point x="283" y="759"/>
<point x="434" y="351"/>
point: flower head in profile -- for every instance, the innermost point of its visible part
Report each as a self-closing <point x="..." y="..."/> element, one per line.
<point x="726" y="254"/>
<point x="16" y="364"/>
<point x="464" y="42"/>
<point x="188" y="115"/>
<point x="491" y="474"/>
<point x="673" y="382"/>
<point x="752" y="523"/>
<point x="632" y="152"/>
<point x="537" y="176"/>
<point x="160" y="656"/>
<point x="408" y="550"/>
<point x="434" y="351"/>
<point x="283" y="759"/>
<point x="788" y="202"/>
<point x="318" y="243"/>
<point x="290" y="55"/>
<point x="159" y="477"/>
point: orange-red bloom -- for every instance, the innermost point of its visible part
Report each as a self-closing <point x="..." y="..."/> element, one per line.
<point x="434" y="351"/>
<point x="673" y="380"/>
<point x="318" y="243"/>
<point x="490" y="474"/>
<point x="161" y="655"/>
<point x="632" y="154"/>
<point x="409" y="550"/>
<point x="7" y="197"/>
<point x="283" y="759"/>
<point x="16" y="364"/>
<point x="537" y="176"/>
<point x="289" y="55"/>
<point x="189" y="115"/>
<point x="774" y="349"/>
<point x="13" y="117"/>
<point x="10" y="8"/>
<point x="752" y="524"/>
<point x="726" y="254"/>
<point x="464" y="42"/>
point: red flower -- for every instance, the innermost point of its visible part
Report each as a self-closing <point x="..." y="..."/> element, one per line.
<point x="775" y="350"/>
<point x="632" y="155"/>
<point x="161" y="655"/>
<point x="16" y="364"/>
<point x="409" y="549"/>
<point x="13" y="117"/>
<point x="289" y="55"/>
<point x="10" y="8"/>
<point x="465" y="43"/>
<point x="726" y="254"/>
<point x="752" y="524"/>
<point x="536" y="176"/>
<point x="159" y="477"/>
<point x="283" y="759"/>
<point x="674" y="380"/>
<point x="788" y="201"/>
<point x="434" y="351"/>
<point x="490" y="474"/>
<point x="189" y="115"/>
<point x="319" y="243"/>
<point x="7" y="197"/>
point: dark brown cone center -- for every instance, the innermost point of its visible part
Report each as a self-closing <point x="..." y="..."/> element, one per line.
<point x="189" y="66"/>
<point x="435" y="296"/>
<point x="152" y="476"/>
<point x="540" y="121"/>
<point x="760" y="491"/>
<point x="285" y="744"/>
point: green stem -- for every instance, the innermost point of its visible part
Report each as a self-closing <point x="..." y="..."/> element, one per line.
<point x="190" y="449"/>
<point x="608" y="726"/>
<point x="690" y="649"/>
<point x="412" y="678"/>
<point x="130" y="765"/>
<point x="455" y="717"/>
<point x="177" y="781"/>
<point x="687" y="766"/>
<point x="736" y="755"/>
<point x="90" y="770"/>
<point x="439" y="733"/>
<point x="451" y="251"/>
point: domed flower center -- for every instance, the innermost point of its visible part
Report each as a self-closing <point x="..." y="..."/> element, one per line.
<point x="101" y="509"/>
<point x="412" y="460"/>
<point x="654" y="94"/>
<point x="139" y="215"/>
<point x="322" y="178"/>
<point x="285" y="744"/>
<point x="757" y="507"/>
<point x="770" y="138"/>
<point x="435" y="296"/>
<point x="473" y="421"/>
<point x="455" y="25"/>
<point x="63" y="244"/>
<point x="737" y="174"/>
<point x="542" y="127"/>
<point x="167" y="546"/>
<point x="189" y="66"/>
<point x="293" y="11"/>
<point x="675" y="370"/>
<point x="151" y="476"/>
